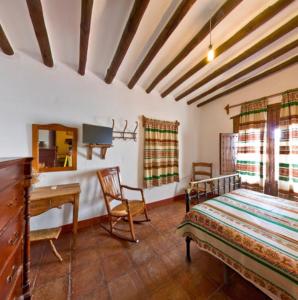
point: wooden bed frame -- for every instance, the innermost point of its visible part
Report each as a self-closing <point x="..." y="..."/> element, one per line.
<point x="218" y="186"/>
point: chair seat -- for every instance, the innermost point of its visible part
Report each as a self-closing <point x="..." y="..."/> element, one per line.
<point x="45" y="234"/>
<point x="135" y="207"/>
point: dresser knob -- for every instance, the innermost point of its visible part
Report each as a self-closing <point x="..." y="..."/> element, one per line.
<point x="14" y="239"/>
<point x="9" y="278"/>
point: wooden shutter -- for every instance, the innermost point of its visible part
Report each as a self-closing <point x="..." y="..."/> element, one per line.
<point x="271" y="186"/>
<point x="228" y="151"/>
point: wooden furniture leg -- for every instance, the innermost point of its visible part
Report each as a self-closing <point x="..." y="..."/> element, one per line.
<point x="55" y="251"/>
<point x="75" y="219"/>
<point x="187" y="240"/>
<point x="133" y="235"/>
<point x="146" y="214"/>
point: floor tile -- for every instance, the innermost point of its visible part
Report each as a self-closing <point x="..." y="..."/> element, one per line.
<point x="86" y="278"/>
<point x="54" y="289"/>
<point x="154" y="273"/>
<point x="116" y="265"/>
<point x="96" y="292"/>
<point x="125" y="288"/>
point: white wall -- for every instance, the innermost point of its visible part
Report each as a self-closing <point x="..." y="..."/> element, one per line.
<point x="32" y="93"/>
<point x="214" y="120"/>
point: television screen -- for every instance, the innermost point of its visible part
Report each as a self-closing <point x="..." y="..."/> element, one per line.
<point x="93" y="134"/>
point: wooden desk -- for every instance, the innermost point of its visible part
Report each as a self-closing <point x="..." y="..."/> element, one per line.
<point x="45" y="198"/>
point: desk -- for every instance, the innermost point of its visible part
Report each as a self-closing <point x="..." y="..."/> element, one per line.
<point x="45" y="198"/>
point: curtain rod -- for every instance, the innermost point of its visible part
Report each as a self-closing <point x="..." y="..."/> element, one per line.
<point x="228" y="107"/>
<point x="144" y="121"/>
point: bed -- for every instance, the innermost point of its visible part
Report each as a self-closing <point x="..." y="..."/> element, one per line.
<point x="252" y="233"/>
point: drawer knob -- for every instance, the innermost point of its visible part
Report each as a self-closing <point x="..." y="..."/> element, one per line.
<point x="14" y="239"/>
<point x="10" y="278"/>
<point x="10" y="204"/>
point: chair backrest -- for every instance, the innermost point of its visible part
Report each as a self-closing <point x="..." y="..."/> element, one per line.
<point x="201" y="170"/>
<point x="109" y="179"/>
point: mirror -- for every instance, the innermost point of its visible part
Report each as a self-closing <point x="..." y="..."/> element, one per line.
<point x="54" y="147"/>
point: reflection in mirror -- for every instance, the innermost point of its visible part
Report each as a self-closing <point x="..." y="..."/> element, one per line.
<point x="55" y="147"/>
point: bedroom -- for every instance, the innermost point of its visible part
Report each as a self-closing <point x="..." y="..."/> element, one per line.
<point x="155" y="52"/>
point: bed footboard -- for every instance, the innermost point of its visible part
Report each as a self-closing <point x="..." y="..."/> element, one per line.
<point x="198" y="190"/>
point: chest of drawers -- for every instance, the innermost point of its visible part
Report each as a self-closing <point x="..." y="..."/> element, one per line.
<point x="15" y="175"/>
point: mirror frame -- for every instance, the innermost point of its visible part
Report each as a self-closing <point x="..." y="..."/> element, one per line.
<point x="35" y="147"/>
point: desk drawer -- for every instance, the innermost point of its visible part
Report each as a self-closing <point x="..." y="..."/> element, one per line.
<point x="12" y="196"/>
<point x="10" y="274"/>
<point x="10" y="237"/>
<point x="39" y="206"/>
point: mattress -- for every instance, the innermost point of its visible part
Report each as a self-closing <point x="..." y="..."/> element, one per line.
<point x="254" y="234"/>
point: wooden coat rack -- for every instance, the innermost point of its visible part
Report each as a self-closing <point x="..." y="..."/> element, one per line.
<point x="125" y="135"/>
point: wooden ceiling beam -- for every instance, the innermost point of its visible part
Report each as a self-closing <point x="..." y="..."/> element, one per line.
<point x="86" y="13"/>
<point x="289" y="26"/>
<point x="220" y="14"/>
<point x="268" y="72"/>
<point x="245" y="71"/>
<point x="129" y="32"/>
<point x="4" y="43"/>
<point x="36" y="14"/>
<point x="250" y="27"/>
<point x="174" y="21"/>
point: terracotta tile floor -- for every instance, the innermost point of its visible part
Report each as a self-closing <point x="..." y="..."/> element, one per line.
<point x="102" y="267"/>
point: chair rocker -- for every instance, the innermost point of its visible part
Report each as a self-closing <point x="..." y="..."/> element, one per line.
<point x="112" y="188"/>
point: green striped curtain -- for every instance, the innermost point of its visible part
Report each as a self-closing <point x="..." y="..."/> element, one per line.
<point x="288" y="159"/>
<point x="160" y="152"/>
<point x="251" y="156"/>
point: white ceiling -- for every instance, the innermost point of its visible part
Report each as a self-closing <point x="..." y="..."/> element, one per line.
<point x="62" y="18"/>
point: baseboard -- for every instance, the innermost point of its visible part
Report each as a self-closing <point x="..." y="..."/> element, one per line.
<point x="165" y="201"/>
<point x="101" y="219"/>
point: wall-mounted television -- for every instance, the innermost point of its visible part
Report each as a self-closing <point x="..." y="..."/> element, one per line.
<point x="93" y="134"/>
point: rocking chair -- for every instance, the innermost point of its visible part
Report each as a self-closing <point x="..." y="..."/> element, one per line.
<point x="113" y="190"/>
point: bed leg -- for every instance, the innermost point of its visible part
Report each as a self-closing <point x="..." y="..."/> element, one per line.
<point x="187" y="240"/>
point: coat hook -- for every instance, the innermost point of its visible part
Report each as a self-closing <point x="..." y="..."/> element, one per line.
<point x="124" y="130"/>
<point x="113" y="126"/>
<point x="137" y="125"/>
<point x="135" y="131"/>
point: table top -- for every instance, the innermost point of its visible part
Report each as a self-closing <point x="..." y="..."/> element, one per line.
<point x="48" y="191"/>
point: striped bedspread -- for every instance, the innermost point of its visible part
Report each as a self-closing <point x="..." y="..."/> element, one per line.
<point x="254" y="234"/>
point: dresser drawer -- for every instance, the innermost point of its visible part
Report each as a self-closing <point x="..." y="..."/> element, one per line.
<point x="10" y="274"/>
<point x="10" y="237"/>
<point x="7" y="214"/>
<point x="12" y="196"/>
<point x="10" y="174"/>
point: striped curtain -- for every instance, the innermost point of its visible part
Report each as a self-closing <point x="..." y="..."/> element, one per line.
<point x="251" y="156"/>
<point x="160" y="152"/>
<point x="288" y="159"/>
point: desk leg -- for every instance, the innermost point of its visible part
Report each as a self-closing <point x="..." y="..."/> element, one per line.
<point x="75" y="219"/>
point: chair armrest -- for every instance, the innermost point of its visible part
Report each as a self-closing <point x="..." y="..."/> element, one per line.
<point x="114" y="197"/>
<point x="133" y="189"/>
